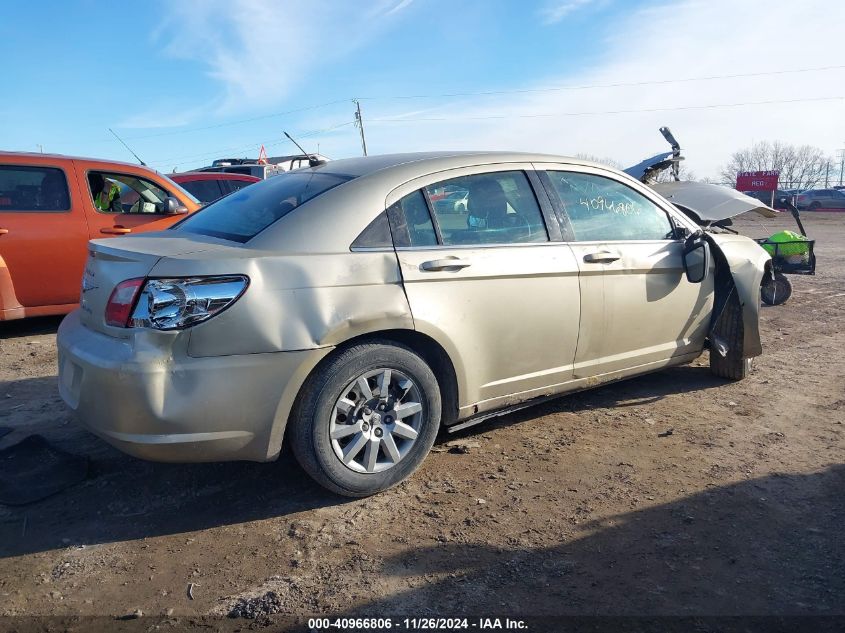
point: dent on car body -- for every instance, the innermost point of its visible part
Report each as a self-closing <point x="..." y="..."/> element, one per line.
<point x="298" y="302"/>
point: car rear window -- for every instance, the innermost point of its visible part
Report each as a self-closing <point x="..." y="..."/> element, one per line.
<point x="244" y="214"/>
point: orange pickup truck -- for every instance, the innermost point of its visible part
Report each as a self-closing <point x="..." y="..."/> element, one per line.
<point x="51" y="205"/>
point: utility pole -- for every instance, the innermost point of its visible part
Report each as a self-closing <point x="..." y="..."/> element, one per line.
<point x="40" y="147"/>
<point x="359" y="123"/>
<point x="841" y="165"/>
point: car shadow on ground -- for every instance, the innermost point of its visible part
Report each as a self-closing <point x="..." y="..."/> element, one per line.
<point x="125" y="498"/>
<point x="29" y="327"/>
<point x="640" y="391"/>
<point x="759" y="547"/>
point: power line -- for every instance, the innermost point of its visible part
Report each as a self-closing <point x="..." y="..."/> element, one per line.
<point x="181" y="160"/>
<point x="239" y="122"/>
<point x="598" y="112"/>
<point x="654" y="82"/>
<point x="488" y="93"/>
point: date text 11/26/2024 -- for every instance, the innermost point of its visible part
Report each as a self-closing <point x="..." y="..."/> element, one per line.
<point x="416" y="624"/>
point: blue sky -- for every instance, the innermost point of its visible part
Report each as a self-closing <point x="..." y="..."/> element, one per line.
<point x="186" y="81"/>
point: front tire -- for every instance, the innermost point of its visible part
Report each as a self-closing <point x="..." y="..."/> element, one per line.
<point x="366" y="419"/>
<point x="729" y="328"/>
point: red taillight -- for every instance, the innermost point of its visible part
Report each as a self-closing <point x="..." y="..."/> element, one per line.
<point x="121" y="302"/>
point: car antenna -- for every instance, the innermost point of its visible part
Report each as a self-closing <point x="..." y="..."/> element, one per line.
<point x="313" y="161"/>
<point x="127" y="147"/>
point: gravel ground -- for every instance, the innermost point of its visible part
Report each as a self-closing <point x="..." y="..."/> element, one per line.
<point x="585" y="505"/>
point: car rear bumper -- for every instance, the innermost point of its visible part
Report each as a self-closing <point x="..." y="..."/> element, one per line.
<point x="148" y="398"/>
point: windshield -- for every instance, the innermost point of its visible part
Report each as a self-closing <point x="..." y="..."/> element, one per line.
<point x="244" y="214"/>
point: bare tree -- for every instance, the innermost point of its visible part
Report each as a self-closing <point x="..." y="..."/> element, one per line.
<point x="684" y="173"/>
<point x="610" y="162"/>
<point x="800" y="167"/>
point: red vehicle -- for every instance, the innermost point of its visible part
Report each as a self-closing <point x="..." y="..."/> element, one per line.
<point x="209" y="186"/>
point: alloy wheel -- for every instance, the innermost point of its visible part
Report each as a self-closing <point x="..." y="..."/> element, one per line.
<point x="376" y="420"/>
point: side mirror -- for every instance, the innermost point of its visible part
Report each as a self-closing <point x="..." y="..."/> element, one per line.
<point x="696" y="257"/>
<point x="172" y="206"/>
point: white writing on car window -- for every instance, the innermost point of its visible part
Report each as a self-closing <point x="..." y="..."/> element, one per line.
<point x="600" y="203"/>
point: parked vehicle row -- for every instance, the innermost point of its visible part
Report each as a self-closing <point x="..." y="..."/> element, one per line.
<point x="208" y="187"/>
<point x="272" y="166"/>
<point x="814" y="199"/>
<point x="342" y="309"/>
<point x="51" y="205"/>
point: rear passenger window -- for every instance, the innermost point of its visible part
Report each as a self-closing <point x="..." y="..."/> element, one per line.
<point x="601" y="209"/>
<point x="411" y="223"/>
<point x="25" y="188"/>
<point x="203" y="190"/>
<point x="493" y="208"/>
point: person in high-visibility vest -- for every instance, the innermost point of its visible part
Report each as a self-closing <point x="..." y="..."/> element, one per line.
<point x="105" y="198"/>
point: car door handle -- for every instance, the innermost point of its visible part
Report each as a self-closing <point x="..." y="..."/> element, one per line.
<point x="445" y="264"/>
<point x="116" y="230"/>
<point x="602" y="257"/>
<point x="4" y="231"/>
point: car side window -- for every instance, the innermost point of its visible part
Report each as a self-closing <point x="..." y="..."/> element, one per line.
<point x="492" y="208"/>
<point x="601" y="209"/>
<point x="30" y="188"/>
<point x="125" y="193"/>
<point x="411" y="222"/>
<point x="204" y="190"/>
<point x="230" y="186"/>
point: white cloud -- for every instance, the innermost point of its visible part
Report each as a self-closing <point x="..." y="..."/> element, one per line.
<point x="260" y="52"/>
<point x="398" y="7"/>
<point x="668" y="41"/>
<point x="555" y="11"/>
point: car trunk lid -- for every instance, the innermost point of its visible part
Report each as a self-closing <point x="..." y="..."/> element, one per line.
<point x="111" y="261"/>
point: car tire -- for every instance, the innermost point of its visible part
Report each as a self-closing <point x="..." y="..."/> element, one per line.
<point x="730" y="329"/>
<point x="325" y="399"/>
<point x="775" y="291"/>
<point x="814" y="206"/>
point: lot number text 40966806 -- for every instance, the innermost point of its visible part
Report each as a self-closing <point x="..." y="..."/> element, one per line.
<point x="416" y="624"/>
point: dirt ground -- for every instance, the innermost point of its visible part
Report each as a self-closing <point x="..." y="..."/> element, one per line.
<point x="586" y="505"/>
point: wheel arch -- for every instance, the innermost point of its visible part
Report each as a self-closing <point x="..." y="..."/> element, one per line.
<point x="740" y="266"/>
<point x="432" y="352"/>
<point x="10" y="307"/>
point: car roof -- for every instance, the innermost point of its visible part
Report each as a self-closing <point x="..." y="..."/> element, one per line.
<point x="367" y="184"/>
<point x="428" y="162"/>
<point x="189" y="176"/>
<point x="48" y="157"/>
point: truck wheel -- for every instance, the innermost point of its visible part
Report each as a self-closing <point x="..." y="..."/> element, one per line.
<point x="730" y="330"/>
<point x="775" y="291"/>
<point x="366" y="419"/>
